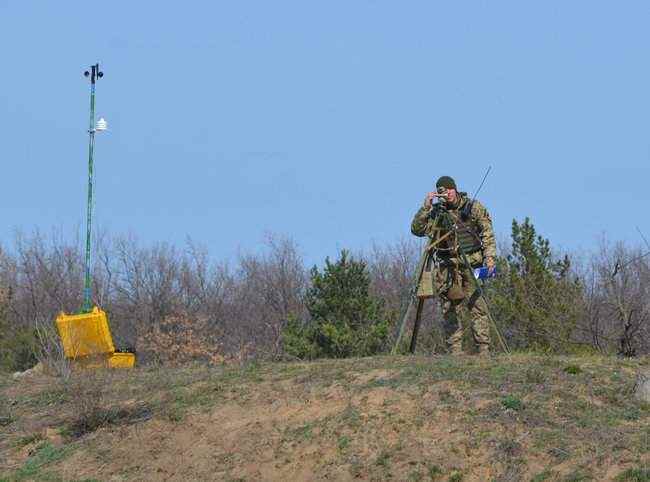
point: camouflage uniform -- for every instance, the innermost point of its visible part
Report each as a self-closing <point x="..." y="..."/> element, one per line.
<point x="452" y="280"/>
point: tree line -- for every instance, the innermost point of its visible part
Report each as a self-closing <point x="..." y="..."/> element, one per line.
<point x="175" y="304"/>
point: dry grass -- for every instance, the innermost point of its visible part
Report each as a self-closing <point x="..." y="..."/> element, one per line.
<point x="510" y="418"/>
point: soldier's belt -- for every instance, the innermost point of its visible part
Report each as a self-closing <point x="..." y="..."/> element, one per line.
<point x="449" y="254"/>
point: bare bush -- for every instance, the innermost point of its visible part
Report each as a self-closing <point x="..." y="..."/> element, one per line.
<point x="392" y="270"/>
<point x="171" y="304"/>
<point x="617" y="293"/>
<point x="49" y="350"/>
<point x="87" y="391"/>
<point x="179" y="339"/>
<point x="157" y="292"/>
<point x="47" y="277"/>
<point x="270" y="291"/>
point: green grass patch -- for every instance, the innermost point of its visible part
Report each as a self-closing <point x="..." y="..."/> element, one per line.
<point x="343" y="442"/>
<point x="46" y="398"/>
<point x="572" y="369"/>
<point x="415" y="476"/>
<point x="350" y="417"/>
<point x="455" y="476"/>
<point x="45" y="455"/>
<point x="383" y="459"/>
<point x="300" y="433"/>
<point x="544" y="476"/>
<point x="28" y="439"/>
<point x="634" y="475"/>
<point x="511" y="402"/>
<point x="443" y="369"/>
<point x="175" y="405"/>
<point x="498" y="373"/>
<point x="435" y="472"/>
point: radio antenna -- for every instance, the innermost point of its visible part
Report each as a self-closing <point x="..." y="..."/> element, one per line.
<point x="482" y="182"/>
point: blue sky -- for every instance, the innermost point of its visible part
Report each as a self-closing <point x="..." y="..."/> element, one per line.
<point x="325" y="121"/>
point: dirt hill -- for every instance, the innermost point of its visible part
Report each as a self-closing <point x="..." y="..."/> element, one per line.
<point x="505" y="419"/>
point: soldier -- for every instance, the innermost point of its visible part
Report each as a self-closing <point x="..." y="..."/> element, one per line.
<point x="453" y="224"/>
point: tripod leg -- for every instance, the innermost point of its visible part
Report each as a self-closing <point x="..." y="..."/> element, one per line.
<point x="407" y="315"/>
<point x="416" y="325"/>
<point x="481" y="293"/>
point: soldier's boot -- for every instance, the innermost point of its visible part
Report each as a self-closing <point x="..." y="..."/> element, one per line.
<point x="455" y="341"/>
<point x="456" y="349"/>
<point x="481" y="332"/>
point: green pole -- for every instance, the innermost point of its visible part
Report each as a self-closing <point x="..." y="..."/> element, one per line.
<point x="87" y="303"/>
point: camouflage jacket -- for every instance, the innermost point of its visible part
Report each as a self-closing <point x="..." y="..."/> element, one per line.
<point x="427" y="222"/>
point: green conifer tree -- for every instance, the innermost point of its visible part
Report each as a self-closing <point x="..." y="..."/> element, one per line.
<point x="345" y="319"/>
<point x="535" y="300"/>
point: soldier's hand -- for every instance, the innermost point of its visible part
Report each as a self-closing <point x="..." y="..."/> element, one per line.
<point x="489" y="262"/>
<point x="428" y="199"/>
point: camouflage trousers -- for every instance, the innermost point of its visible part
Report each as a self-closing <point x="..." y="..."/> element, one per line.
<point x="462" y="304"/>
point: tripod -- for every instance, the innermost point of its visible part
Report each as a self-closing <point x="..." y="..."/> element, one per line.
<point x="417" y="297"/>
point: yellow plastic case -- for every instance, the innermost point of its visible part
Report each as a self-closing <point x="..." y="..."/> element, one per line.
<point x="121" y="360"/>
<point x="114" y="360"/>
<point x="85" y="334"/>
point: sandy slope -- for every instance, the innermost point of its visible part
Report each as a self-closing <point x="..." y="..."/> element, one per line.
<point x="509" y="418"/>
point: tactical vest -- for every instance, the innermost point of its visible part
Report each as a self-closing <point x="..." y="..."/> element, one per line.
<point x="467" y="232"/>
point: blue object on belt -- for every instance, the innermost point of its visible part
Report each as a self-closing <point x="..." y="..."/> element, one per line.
<point x="484" y="272"/>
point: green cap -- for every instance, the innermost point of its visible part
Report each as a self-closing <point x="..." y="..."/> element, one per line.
<point x="447" y="182"/>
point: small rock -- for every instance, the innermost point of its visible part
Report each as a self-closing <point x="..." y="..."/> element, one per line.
<point x="37" y="369"/>
<point x="642" y="386"/>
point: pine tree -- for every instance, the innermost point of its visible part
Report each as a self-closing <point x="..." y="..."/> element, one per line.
<point x="345" y="319"/>
<point x="535" y="301"/>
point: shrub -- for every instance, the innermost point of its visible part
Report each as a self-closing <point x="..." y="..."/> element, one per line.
<point x="180" y="339"/>
<point x="17" y="344"/>
<point x="17" y="349"/>
<point x="535" y="300"/>
<point x="87" y="390"/>
<point x="345" y="319"/>
<point x="298" y="339"/>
